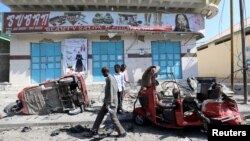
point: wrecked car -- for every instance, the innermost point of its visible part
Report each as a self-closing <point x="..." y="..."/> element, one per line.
<point x="179" y="110"/>
<point x="66" y="94"/>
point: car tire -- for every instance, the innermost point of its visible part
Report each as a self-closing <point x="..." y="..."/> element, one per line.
<point x="11" y="109"/>
<point x="139" y="119"/>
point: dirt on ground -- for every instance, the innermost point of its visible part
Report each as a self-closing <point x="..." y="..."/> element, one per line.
<point x="134" y="133"/>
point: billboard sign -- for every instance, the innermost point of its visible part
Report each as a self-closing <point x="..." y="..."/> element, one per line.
<point x="25" y="22"/>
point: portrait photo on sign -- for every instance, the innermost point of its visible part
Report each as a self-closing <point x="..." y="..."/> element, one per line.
<point x="75" y="56"/>
<point x="181" y="23"/>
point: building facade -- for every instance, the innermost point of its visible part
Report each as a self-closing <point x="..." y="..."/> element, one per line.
<point x="215" y="55"/>
<point x="4" y="57"/>
<point x="87" y="35"/>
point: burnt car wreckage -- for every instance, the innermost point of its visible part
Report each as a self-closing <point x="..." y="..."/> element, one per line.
<point x="211" y="105"/>
<point x="66" y="94"/>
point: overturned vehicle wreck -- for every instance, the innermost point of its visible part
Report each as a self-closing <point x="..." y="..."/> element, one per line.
<point x="66" y="94"/>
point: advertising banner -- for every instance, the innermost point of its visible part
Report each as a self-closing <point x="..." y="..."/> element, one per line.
<point x="82" y="21"/>
<point x="25" y="22"/>
<point x="75" y="56"/>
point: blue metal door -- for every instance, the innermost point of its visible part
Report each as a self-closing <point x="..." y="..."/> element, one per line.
<point x="167" y="55"/>
<point x="45" y="61"/>
<point x="106" y="54"/>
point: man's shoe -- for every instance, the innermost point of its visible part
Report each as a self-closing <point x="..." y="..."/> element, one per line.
<point x="75" y="111"/>
<point x="122" y="135"/>
<point x="89" y="134"/>
<point x="99" y="136"/>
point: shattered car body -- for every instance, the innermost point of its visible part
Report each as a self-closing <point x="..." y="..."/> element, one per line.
<point x="179" y="111"/>
<point x="65" y="94"/>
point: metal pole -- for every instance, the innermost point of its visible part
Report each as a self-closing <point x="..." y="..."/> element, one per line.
<point x="243" y="50"/>
<point x="232" y="43"/>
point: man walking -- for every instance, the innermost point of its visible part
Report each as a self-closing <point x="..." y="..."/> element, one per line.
<point x="120" y="83"/>
<point x="109" y="105"/>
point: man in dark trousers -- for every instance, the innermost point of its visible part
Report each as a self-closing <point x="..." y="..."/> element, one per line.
<point x="110" y="104"/>
<point x="120" y="84"/>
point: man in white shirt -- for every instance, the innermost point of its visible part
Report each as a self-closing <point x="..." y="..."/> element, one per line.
<point x="123" y="68"/>
<point x="120" y="83"/>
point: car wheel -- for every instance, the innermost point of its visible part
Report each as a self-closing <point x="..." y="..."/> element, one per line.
<point x="139" y="119"/>
<point x="12" y="109"/>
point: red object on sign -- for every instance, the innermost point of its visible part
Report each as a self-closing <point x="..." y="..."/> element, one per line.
<point x="25" y="22"/>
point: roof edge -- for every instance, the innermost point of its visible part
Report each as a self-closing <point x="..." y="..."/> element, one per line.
<point x="217" y="39"/>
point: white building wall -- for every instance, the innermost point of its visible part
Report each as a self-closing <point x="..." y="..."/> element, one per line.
<point x="136" y="66"/>
<point x="20" y="45"/>
<point x="189" y="62"/>
<point x="19" y="69"/>
<point x="189" y="67"/>
<point x="19" y="72"/>
<point x="188" y="44"/>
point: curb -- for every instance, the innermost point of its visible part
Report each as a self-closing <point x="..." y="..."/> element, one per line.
<point x="18" y="125"/>
<point x="245" y="113"/>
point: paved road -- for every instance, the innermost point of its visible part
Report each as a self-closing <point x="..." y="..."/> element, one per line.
<point x="135" y="133"/>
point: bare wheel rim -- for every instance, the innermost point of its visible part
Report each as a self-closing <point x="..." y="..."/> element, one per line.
<point x="139" y="119"/>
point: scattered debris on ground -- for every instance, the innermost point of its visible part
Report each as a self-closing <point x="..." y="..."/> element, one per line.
<point x="55" y="133"/>
<point x="73" y="129"/>
<point x="26" y="129"/>
<point x="184" y="139"/>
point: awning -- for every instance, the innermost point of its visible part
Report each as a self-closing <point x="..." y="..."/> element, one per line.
<point x="4" y="37"/>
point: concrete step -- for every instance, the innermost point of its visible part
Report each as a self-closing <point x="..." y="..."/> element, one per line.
<point x="11" y="88"/>
<point x="17" y="91"/>
<point x="90" y="87"/>
<point x="95" y="89"/>
<point x="9" y="92"/>
<point x="3" y="86"/>
<point x="15" y="88"/>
